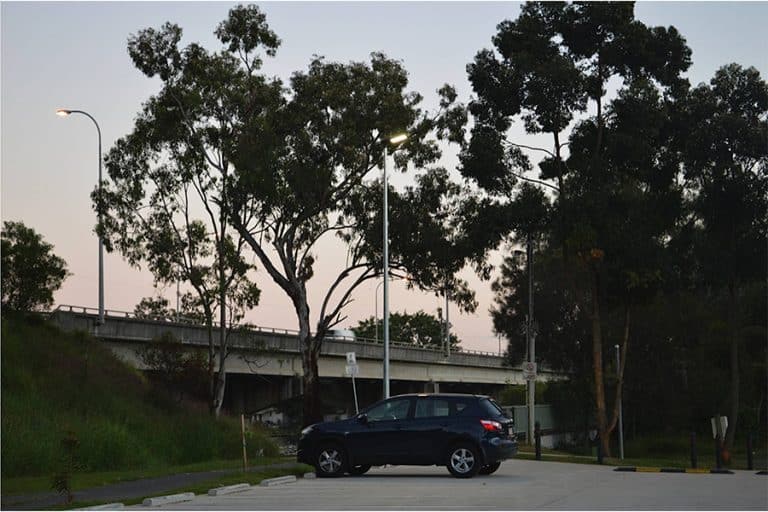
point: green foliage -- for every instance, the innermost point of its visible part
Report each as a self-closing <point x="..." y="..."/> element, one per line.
<point x="114" y="413"/>
<point x="31" y="272"/>
<point x="61" y="481"/>
<point x="180" y="370"/>
<point x="421" y="329"/>
<point x="279" y="166"/>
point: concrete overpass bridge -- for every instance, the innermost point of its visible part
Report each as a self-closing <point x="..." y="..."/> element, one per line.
<point x="264" y="365"/>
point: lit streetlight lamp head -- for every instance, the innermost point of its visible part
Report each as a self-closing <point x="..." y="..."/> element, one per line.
<point x="63" y="112"/>
<point x="397" y="139"/>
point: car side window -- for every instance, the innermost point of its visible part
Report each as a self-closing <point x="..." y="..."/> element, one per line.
<point x="390" y="410"/>
<point x="432" y="408"/>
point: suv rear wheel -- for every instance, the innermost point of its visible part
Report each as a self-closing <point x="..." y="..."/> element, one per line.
<point x="463" y="460"/>
<point x="330" y="461"/>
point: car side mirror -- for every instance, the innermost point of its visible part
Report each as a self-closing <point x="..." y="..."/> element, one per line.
<point x="363" y="418"/>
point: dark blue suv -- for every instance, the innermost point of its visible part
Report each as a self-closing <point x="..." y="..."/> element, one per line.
<point x="469" y="434"/>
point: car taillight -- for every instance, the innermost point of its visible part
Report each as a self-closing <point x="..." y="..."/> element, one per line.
<point x="491" y="426"/>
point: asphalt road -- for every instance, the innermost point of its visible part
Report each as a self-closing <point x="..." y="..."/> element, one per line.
<point x="518" y="485"/>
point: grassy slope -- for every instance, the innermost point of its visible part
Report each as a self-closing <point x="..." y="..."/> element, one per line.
<point x="55" y="382"/>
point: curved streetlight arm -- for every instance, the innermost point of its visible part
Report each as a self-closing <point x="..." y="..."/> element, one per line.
<point x="66" y="112"/>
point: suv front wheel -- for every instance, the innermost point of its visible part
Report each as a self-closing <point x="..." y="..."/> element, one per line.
<point x="330" y="461"/>
<point x="463" y="460"/>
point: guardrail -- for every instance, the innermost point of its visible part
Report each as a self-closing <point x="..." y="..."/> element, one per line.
<point x="258" y="329"/>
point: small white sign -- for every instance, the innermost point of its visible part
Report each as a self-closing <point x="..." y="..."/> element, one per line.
<point x="529" y="371"/>
<point x="719" y="428"/>
<point x="352" y="370"/>
<point x="351" y="358"/>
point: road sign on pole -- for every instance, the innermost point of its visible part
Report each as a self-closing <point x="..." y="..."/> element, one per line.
<point x="529" y="370"/>
<point x="351" y="358"/>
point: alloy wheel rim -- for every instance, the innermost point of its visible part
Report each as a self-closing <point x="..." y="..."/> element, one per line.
<point x="330" y="461"/>
<point x="462" y="460"/>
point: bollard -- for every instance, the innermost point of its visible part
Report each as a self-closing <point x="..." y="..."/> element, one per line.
<point x="718" y="453"/>
<point x="693" y="451"/>
<point x="599" y="450"/>
<point x="537" y="434"/>
<point x="750" y="462"/>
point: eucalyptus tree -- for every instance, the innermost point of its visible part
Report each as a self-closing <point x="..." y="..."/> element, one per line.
<point x="307" y="172"/>
<point x="726" y="167"/>
<point x="166" y="201"/>
<point x="549" y="65"/>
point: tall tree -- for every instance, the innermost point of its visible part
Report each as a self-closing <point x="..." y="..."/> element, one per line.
<point x="166" y="202"/>
<point x="31" y="272"/>
<point x="306" y="173"/>
<point x="420" y="329"/>
<point x="278" y="167"/>
<point x="552" y="62"/>
<point x="726" y="166"/>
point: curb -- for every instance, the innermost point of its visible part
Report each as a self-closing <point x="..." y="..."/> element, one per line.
<point x="280" y="480"/>
<point x="106" y="506"/>
<point x="228" y="489"/>
<point x="171" y="498"/>
<point x="643" y="469"/>
<point x="309" y="475"/>
<point x="762" y="472"/>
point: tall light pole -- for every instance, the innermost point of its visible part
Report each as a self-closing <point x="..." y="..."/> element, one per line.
<point x="621" y="412"/>
<point x="64" y="113"/>
<point x="394" y="140"/>
<point x="531" y="341"/>
<point x="376" y="311"/>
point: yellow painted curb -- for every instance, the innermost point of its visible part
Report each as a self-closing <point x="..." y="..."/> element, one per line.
<point x="648" y="470"/>
<point x="699" y="470"/>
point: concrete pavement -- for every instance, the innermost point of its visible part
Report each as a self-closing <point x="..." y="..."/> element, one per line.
<point x="518" y="485"/>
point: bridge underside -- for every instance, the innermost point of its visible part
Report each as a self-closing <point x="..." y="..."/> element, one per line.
<point x="251" y="393"/>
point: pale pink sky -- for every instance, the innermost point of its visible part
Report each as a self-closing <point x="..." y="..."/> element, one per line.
<point x="74" y="55"/>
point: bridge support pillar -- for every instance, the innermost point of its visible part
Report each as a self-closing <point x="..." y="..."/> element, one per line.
<point x="431" y="387"/>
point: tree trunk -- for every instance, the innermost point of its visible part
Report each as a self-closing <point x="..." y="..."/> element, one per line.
<point x="734" y="353"/>
<point x="597" y="365"/>
<point x="309" y="355"/>
<point x="211" y="363"/>
<point x="222" y="376"/>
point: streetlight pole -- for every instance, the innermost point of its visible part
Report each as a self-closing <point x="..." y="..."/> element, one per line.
<point x="63" y="113"/>
<point x="621" y="412"/>
<point x="376" y="311"/>
<point x="531" y="341"/>
<point x="394" y="140"/>
<point x="386" y="280"/>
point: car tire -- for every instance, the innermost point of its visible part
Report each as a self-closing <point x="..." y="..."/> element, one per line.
<point x="359" y="470"/>
<point x="463" y="460"/>
<point x="330" y="461"/>
<point x="489" y="469"/>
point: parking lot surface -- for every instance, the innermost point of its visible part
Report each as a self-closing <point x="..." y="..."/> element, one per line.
<point x="518" y="485"/>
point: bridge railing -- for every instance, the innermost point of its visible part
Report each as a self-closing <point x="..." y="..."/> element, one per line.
<point x="256" y="329"/>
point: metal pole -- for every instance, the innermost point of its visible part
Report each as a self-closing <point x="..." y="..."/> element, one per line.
<point x="621" y="412"/>
<point x="386" y="281"/>
<point x="101" y="242"/>
<point x="178" y="294"/>
<point x="531" y="342"/>
<point x="67" y="112"/>
<point x="354" y="390"/>
<point x="376" y="312"/>
<point x="447" y="328"/>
